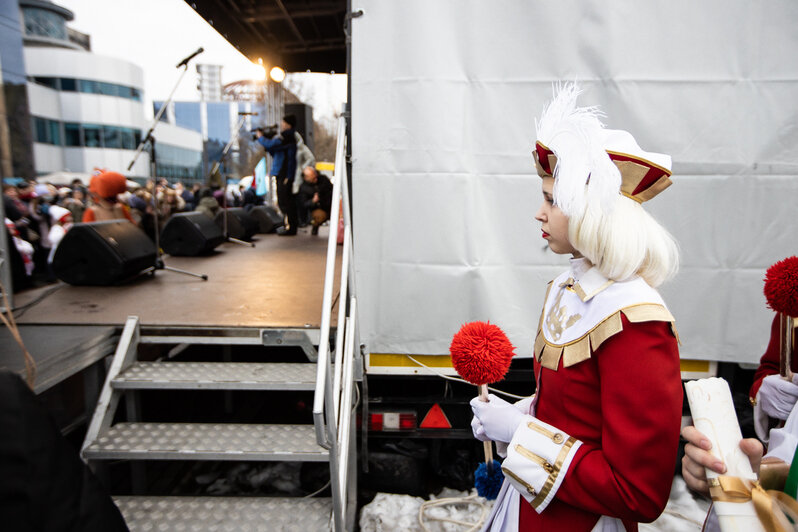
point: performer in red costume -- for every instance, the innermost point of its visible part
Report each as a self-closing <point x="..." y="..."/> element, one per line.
<point x="103" y="189"/>
<point x="773" y="397"/>
<point x="596" y="447"/>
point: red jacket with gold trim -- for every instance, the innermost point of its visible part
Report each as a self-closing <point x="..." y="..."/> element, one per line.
<point x="602" y="435"/>
<point x="770" y="362"/>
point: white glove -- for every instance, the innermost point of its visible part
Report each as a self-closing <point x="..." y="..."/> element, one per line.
<point x="497" y="417"/>
<point x="478" y="430"/>
<point x="525" y="405"/>
<point x="777" y="396"/>
<point x="784" y="440"/>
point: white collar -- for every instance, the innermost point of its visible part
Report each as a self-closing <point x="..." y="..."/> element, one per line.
<point x="576" y="306"/>
<point x="587" y="279"/>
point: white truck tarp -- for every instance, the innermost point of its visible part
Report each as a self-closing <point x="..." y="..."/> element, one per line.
<point x="444" y="98"/>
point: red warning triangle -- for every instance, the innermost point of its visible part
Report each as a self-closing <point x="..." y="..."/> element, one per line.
<point x="436" y="419"/>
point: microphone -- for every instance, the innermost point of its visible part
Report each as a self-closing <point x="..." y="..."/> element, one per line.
<point x="185" y="61"/>
<point x="246" y="113"/>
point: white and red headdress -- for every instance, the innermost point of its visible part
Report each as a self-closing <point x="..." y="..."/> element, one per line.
<point x="591" y="164"/>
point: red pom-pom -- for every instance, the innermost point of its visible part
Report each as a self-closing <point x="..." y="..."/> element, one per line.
<point x="781" y="286"/>
<point x="481" y="353"/>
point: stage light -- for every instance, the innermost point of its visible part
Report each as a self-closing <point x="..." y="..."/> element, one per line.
<point x="277" y="74"/>
<point x="258" y="73"/>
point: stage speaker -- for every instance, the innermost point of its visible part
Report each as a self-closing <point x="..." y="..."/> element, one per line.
<point x="240" y="225"/>
<point x="268" y="218"/>
<point x="189" y="234"/>
<point x="103" y="253"/>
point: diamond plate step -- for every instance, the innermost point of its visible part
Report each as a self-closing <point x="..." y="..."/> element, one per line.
<point x="222" y="514"/>
<point x="207" y="441"/>
<point x="217" y="376"/>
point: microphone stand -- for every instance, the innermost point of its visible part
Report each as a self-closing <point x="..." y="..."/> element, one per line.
<point x="216" y="166"/>
<point x="149" y="141"/>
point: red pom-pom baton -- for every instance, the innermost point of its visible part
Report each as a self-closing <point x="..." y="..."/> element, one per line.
<point x="781" y="286"/>
<point x="781" y="292"/>
<point x="481" y="354"/>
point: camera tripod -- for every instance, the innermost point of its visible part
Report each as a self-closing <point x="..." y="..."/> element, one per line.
<point x="216" y="166"/>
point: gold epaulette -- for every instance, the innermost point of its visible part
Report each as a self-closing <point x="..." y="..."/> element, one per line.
<point x="576" y="351"/>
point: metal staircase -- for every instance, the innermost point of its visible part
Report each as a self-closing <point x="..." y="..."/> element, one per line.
<point x="330" y="439"/>
<point x="135" y="439"/>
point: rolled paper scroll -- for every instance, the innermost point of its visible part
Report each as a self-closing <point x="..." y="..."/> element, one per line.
<point x="713" y="415"/>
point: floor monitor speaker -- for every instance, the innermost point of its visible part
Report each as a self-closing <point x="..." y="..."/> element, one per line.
<point x="240" y="225"/>
<point x="268" y="218"/>
<point x="103" y="253"/>
<point x="189" y="234"/>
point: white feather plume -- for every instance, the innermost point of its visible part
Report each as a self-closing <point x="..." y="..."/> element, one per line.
<point x="584" y="173"/>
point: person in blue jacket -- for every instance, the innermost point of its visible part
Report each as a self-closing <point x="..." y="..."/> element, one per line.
<point x="282" y="148"/>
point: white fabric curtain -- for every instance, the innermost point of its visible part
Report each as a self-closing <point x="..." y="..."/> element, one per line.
<point x="444" y="100"/>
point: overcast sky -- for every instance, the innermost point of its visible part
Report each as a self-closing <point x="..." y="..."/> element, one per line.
<point x="158" y="34"/>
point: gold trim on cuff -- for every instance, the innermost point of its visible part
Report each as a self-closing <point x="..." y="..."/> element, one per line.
<point x="549" y="484"/>
<point x="529" y="455"/>
<point x="529" y="488"/>
<point x="556" y="437"/>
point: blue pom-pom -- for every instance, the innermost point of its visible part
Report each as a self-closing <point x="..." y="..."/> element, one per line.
<point x="488" y="483"/>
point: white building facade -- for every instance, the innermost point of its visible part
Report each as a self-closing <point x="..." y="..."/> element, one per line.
<point x="88" y="109"/>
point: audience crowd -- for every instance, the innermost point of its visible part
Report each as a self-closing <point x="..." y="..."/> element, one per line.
<point x="38" y="215"/>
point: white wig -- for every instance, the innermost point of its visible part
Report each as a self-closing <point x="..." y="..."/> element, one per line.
<point x="601" y="177"/>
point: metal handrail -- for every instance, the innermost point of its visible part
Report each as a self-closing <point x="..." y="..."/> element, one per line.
<point x="346" y="416"/>
<point x="332" y="401"/>
<point x="339" y="339"/>
<point x="326" y="311"/>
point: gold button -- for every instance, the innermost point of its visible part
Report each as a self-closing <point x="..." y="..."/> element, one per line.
<point x="548" y="467"/>
<point x="532" y="491"/>
<point x="557" y="438"/>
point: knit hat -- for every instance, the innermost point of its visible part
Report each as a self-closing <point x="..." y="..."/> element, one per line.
<point x="591" y="163"/>
<point x="290" y="120"/>
<point x="58" y="214"/>
<point x="107" y="184"/>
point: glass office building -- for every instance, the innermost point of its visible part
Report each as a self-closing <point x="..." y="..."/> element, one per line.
<point x="86" y="111"/>
<point x="16" y="154"/>
<point x="218" y="122"/>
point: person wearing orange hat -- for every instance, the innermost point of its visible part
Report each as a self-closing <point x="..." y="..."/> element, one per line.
<point x="103" y="189"/>
<point x="596" y="448"/>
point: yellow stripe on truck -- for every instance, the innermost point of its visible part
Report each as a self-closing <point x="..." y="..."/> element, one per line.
<point x="694" y="365"/>
<point x="393" y="360"/>
<point x="390" y="360"/>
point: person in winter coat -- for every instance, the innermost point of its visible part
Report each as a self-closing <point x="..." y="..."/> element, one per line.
<point x="207" y="203"/>
<point x="282" y="148"/>
<point x="104" y="189"/>
<point x="316" y="196"/>
<point x="304" y="159"/>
